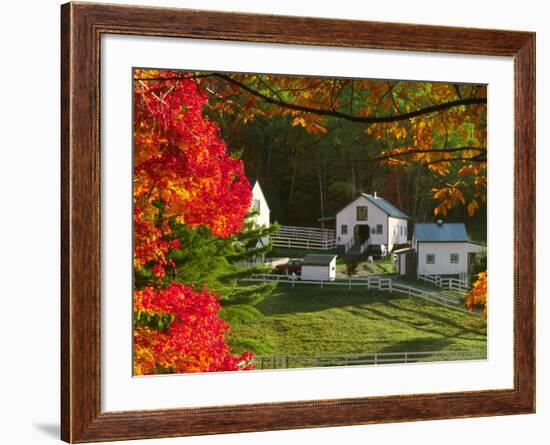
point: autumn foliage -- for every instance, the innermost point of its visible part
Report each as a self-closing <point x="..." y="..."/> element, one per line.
<point x="477" y="296"/>
<point x="182" y="169"/>
<point x="440" y="126"/>
<point x="195" y="340"/>
<point x="183" y="173"/>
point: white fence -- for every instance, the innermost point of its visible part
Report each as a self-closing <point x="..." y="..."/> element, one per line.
<point x="372" y="282"/>
<point x="293" y="237"/>
<point x="446" y="282"/>
<point x="373" y="358"/>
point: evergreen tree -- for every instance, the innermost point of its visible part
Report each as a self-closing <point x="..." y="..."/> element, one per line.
<point x="221" y="264"/>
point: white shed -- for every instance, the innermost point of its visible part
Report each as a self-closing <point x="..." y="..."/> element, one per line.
<point x="441" y="249"/>
<point x="319" y="267"/>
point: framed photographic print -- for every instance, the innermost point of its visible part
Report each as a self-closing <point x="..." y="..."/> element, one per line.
<point x="277" y="222"/>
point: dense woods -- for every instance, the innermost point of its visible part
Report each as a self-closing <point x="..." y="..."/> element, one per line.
<point x="316" y="143"/>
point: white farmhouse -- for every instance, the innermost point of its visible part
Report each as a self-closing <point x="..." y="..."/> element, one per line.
<point x="319" y="267"/>
<point x="261" y="218"/>
<point x="259" y="205"/>
<point x="437" y="249"/>
<point x="369" y="220"/>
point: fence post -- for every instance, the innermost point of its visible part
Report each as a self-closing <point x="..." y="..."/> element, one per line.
<point x="349" y="283"/>
<point x="391" y="287"/>
<point x="375" y="358"/>
<point x="321" y="284"/>
<point x="406" y="357"/>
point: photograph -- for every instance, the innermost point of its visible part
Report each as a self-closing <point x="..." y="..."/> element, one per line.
<point x="288" y="221"/>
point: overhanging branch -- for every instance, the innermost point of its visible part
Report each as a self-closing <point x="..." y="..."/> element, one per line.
<point x="334" y="113"/>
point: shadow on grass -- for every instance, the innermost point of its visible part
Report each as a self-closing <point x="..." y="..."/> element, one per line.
<point x="305" y="298"/>
<point x="420" y="344"/>
<point x="448" y="321"/>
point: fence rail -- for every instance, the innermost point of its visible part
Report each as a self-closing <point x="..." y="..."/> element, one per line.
<point x="312" y="232"/>
<point x="371" y="282"/>
<point x="372" y="358"/>
<point x="302" y="243"/>
<point x="446" y="282"/>
<point x="304" y="238"/>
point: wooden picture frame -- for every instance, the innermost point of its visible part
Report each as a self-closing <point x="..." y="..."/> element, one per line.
<point x="82" y="26"/>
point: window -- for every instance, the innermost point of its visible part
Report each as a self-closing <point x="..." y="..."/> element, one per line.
<point x="373" y="231"/>
<point x="362" y="213"/>
<point x="405" y="230"/>
<point x="430" y="258"/>
<point x="379" y="229"/>
<point x="256" y="205"/>
<point x="454" y="257"/>
<point x="344" y="229"/>
<point x="401" y="230"/>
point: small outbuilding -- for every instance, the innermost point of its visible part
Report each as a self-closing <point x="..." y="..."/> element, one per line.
<point x="319" y="267"/>
<point x="442" y="249"/>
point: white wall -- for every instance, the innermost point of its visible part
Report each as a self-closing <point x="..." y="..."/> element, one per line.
<point x="348" y="216"/>
<point x="397" y="232"/>
<point x="442" y="251"/>
<point x="319" y="272"/>
<point x="401" y="264"/>
<point x="29" y="181"/>
<point x="261" y="219"/>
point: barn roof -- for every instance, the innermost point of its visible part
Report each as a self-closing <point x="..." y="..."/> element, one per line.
<point x="450" y="232"/>
<point x="381" y="203"/>
<point x="386" y="206"/>
<point x="318" y="260"/>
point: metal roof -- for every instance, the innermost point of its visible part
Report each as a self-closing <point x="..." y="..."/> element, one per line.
<point x="386" y="206"/>
<point x="318" y="260"/>
<point x="441" y="232"/>
<point x="402" y="251"/>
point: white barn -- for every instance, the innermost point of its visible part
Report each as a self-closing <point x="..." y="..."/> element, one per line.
<point x="438" y="249"/>
<point x="369" y="220"/>
<point x="319" y="267"/>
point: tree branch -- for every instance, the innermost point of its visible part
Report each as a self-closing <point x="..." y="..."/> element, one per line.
<point x="333" y="113"/>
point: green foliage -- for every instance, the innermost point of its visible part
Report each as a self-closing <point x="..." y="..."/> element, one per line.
<point x="260" y="346"/>
<point x="480" y="262"/>
<point x="351" y="267"/>
<point x="152" y="320"/>
<point x="220" y="264"/>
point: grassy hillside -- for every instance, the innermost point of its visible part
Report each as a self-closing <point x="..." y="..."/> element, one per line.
<point x="308" y="320"/>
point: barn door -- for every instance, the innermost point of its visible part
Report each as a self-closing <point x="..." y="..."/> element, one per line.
<point x="471" y="261"/>
<point x="410" y="264"/>
<point x="361" y="233"/>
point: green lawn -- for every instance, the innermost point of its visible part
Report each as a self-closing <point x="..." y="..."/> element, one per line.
<point x="307" y="320"/>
